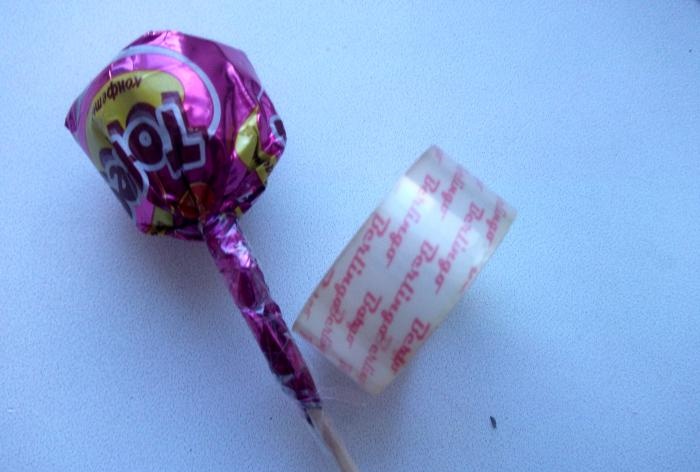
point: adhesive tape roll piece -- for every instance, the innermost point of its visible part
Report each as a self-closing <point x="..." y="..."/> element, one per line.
<point x="404" y="270"/>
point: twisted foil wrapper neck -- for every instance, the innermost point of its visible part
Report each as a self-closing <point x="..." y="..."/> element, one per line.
<point x="247" y="285"/>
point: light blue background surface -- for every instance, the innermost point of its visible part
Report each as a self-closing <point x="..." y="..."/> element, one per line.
<point x="581" y="337"/>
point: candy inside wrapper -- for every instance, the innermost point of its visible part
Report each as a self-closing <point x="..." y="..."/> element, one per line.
<point x="404" y="270"/>
<point x="185" y="136"/>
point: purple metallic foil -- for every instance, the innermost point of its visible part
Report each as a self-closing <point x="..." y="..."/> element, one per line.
<point x="247" y="286"/>
<point x="185" y="136"/>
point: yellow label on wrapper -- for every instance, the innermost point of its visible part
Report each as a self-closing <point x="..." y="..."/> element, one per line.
<point x="404" y="270"/>
<point x="115" y="100"/>
<point x="248" y="150"/>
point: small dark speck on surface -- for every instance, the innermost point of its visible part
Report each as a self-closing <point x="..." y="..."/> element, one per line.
<point x="690" y="50"/>
<point x="493" y="422"/>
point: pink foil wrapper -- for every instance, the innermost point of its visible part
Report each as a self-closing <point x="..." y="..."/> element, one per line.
<point x="185" y="136"/>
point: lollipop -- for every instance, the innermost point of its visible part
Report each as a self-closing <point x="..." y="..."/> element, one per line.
<point x="185" y="136"/>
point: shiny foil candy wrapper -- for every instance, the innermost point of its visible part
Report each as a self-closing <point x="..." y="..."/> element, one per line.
<point x="404" y="270"/>
<point x="183" y="133"/>
<point x="185" y="136"/>
<point x="180" y="128"/>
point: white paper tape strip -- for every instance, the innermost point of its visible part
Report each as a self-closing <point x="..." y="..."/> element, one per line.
<point x="404" y="270"/>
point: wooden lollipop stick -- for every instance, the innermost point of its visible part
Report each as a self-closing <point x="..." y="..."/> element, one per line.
<point x="332" y="440"/>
